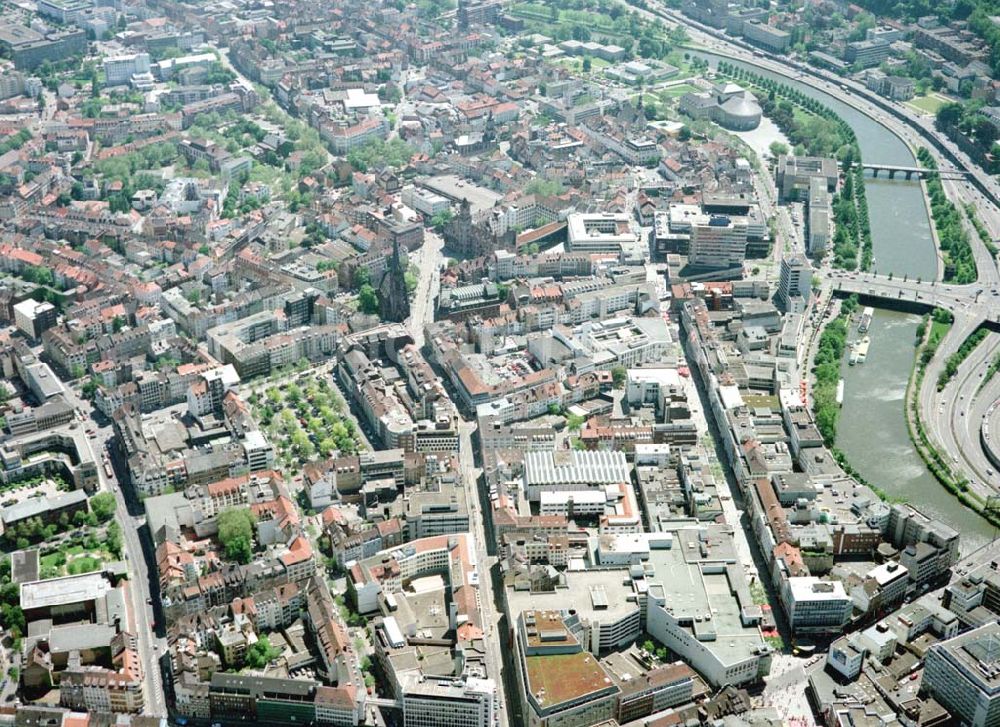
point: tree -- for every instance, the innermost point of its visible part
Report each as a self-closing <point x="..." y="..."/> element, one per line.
<point x="543" y="187"/>
<point x="949" y="115"/>
<point x="113" y="539"/>
<point x="684" y="134"/>
<point x="368" y="299"/>
<point x="574" y="422"/>
<point x="103" y="506"/>
<point x="236" y="533"/>
<point x="618" y="376"/>
<point x="587" y="64"/>
<point x="441" y="219"/>
<point x="13" y="618"/>
<point x="362" y="276"/>
<point x="778" y="148"/>
<point x="261" y="653"/>
<point x="89" y="389"/>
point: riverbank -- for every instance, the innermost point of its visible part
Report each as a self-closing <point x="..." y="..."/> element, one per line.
<point x="826" y="373"/>
<point x="934" y="234"/>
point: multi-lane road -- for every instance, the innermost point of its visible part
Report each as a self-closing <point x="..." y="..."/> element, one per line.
<point x="962" y="405"/>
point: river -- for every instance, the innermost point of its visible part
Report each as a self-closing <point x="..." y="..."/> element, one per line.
<point x="872" y="430"/>
<point x="873" y="434"/>
<point x="901" y="233"/>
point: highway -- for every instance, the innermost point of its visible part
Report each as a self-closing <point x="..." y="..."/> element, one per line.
<point x="951" y="417"/>
<point x="961" y="407"/>
<point x="141" y="618"/>
<point x="915" y="129"/>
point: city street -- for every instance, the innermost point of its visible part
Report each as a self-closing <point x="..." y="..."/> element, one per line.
<point x="786" y="688"/>
<point x="487" y="598"/>
<point x="139" y="596"/>
<point x="428" y="259"/>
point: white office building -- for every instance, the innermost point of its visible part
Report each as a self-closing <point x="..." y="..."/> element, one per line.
<point x="603" y="232"/>
<point x="963" y="674"/>
<point x="816" y="606"/>
<point x="118" y="70"/>
<point x="444" y="702"/>
<point x="424" y="201"/>
<point x="795" y="282"/>
<point x="718" y="241"/>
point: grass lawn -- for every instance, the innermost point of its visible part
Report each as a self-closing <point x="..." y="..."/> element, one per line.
<point x="938" y="330"/>
<point x="84" y="564"/>
<point x="647" y="98"/>
<point x="676" y="91"/>
<point x="77" y="560"/>
<point x="928" y="104"/>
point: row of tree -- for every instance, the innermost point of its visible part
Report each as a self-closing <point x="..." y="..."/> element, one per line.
<point x="817" y="132"/>
<point x="852" y="232"/>
<point x="826" y="367"/>
<point x="959" y="262"/>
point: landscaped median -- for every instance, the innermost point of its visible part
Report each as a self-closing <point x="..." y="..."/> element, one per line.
<point x="956" y="359"/>
<point x="984" y="234"/>
<point x="929" y="337"/>
<point x="959" y="262"/>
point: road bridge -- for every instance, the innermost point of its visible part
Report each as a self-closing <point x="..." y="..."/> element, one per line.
<point x="920" y="172"/>
<point x="951" y="415"/>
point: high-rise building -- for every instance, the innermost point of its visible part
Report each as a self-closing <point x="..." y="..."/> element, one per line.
<point x="11" y="84"/>
<point x="29" y="49"/>
<point x="793" y="174"/>
<point x="818" y="227"/>
<point x="795" y="282"/>
<point x="758" y="32"/>
<point x="867" y="53"/>
<point x="718" y="241"/>
<point x="32" y="317"/>
<point x="963" y="674"/>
